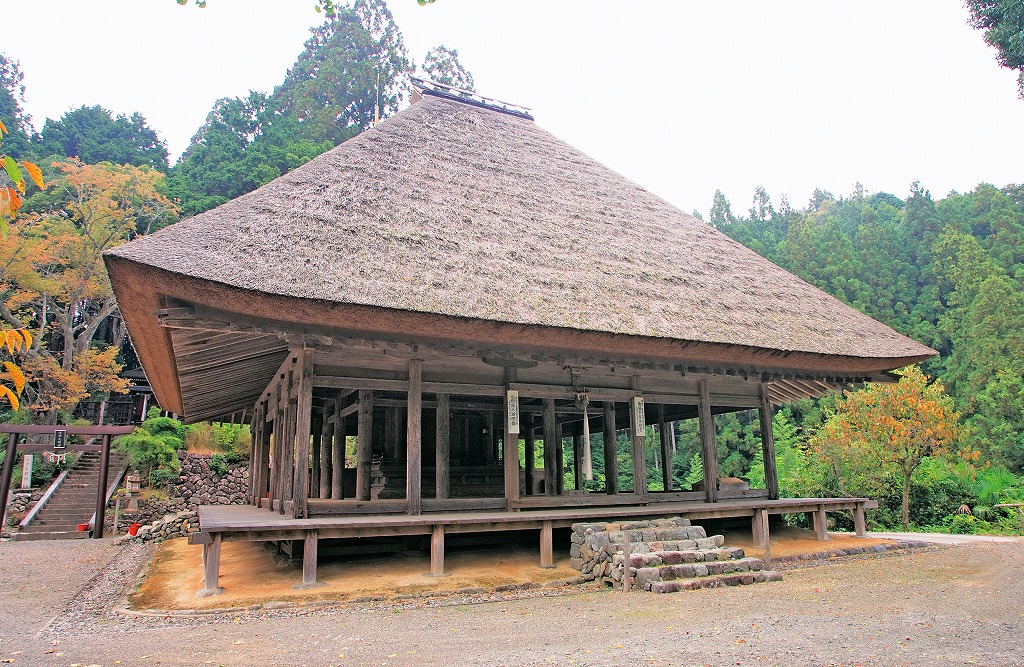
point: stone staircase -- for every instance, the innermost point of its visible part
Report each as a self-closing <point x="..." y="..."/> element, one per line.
<point x="73" y="502"/>
<point x="666" y="555"/>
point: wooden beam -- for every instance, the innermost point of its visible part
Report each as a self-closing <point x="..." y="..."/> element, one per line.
<point x="364" y="446"/>
<point x="338" y="452"/>
<point x="391" y="384"/>
<point x="551" y="441"/>
<point x="8" y="471"/>
<point x="611" y="462"/>
<point x="442" y="448"/>
<point x="860" y="527"/>
<point x="709" y="446"/>
<point x="316" y="432"/>
<point x="303" y="417"/>
<point x="771" y="473"/>
<point x="326" y="452"/>
<point x="546" y="546"/>
<point x="211" y="568"/>
<point x="638" y="435"/>
<point x="101" y="489"/>
<point x="667" y="437"/>
<point x="310" y="543"/>
<point x="414" y="439"/>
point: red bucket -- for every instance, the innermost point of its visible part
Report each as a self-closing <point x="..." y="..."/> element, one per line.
<point x="133" y="529"/>
<point x="82" y="527"/>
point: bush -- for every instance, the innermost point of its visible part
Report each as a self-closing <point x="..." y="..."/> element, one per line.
<point x="153" y="447"/>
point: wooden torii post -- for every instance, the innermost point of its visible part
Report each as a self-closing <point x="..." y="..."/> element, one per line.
<point x="104" y="432"/>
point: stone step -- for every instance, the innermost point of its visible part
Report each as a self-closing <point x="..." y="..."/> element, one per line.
<point x="50" y="535"/>
<point x="739" y="579"/>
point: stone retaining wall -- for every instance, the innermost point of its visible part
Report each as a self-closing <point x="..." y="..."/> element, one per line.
<point x="198" y="484"/>
<point x="173" y="525"/>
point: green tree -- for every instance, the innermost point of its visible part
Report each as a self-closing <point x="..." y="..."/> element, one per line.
<point x="12" y="109"/>
<point x="93" y="135"/>
<point x="1003" y="23"/>
<point x="442" y="65"/>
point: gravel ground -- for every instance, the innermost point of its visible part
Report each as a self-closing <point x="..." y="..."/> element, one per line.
<point x="951" y="606"/>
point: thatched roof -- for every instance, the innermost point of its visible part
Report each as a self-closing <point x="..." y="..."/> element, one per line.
<point x="454" y="210"/>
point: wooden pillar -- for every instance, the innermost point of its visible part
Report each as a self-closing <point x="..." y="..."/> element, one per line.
<point x="611" y="461"/>
<point x="771" y="474"/>
<point x="529" y="459"/>
<point x="288" y="455"/>
<point x="437" y="551"/>
<point x="559" y="460"/>
<point x="101" y="488"/>
<point x="667" y="436"/>
<point x="627" y="556"/>
<point x="338" y="453"/>
<point x="274" y="480"/>
<point x="820" y="524"/>
<point x="489" y="439"/>
<point x="414" y="440"/>
<point x="709" y="446"/>
<point x="762" y="537"/>
<point x="588" y="463"/>
<point x="510" y="449"/>
<point x="211" y="568"/>
<point x="257" y="468"/>
<point x="551" y="442"/>
<point x="263" y="489"/>
<point x="316" y="431"/>
<point x="860" y="527"/>
<point x="638" y="434"/>
<point x="577" y="458"/>
<point x="309" y="554"/>
<point x="443" y="448"/>
<point x="8" y="471"/>
<point x="303" y="417"/>
<point x="364" y="446"/>
<point x="326" y="433"/>
<point x="547" y="559"/>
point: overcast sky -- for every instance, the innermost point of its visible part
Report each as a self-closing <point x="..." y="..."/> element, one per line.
<point x="682" y="97"/>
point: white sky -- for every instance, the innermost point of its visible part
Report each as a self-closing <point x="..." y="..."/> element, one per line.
<point x="682" y="97"/>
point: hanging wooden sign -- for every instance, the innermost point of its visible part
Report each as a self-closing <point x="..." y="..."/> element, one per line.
<point x="60" y="439"/>
<point x="638" y="416"/>
<point x="512" y="411"/>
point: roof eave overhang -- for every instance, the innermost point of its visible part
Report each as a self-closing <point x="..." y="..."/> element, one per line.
<point x="142" y="290"/>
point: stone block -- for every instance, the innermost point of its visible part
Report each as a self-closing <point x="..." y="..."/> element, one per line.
<point x="672" y="545"/>
<point x="736" y="552"/>
<point x="656" y="546"/>
<point x="740" y="566"/>
<point x="685" y="571"/>
<point x="636" y="560"/>
<point x="574" y="548"/>
<point x="746" y="579"/>
<point x="666" y="587"/>
<point x="667" y="572"/>
<point x="670" y="557"/>
<point x="652" y="560"/>
<point x="615" y="536"/>
<point x="598" y="540"/>
<point x="719" y="540"/>
<point x="717" y="567"/>
<point x="732" y="580"/>
<point x="689" y="585"/>
<point x="696" y="533"/>
<point x="691" y="556"/>
<point x="647" y="535"/>
<point x="665" y="534"/>
<point x="645" y="575"/>
<point x="772" y="575"/>
<point x="576" y="563"/>
<point x="635" y="525"/>
<point x="709" y="555"/>
<point x="705" y="543"/>
<point x="759" y="576"/>
<point x="700" y="570"/>
<point x="728" y="566"/>
<point x="754" y="563"/>
<point x="640" y="548"/>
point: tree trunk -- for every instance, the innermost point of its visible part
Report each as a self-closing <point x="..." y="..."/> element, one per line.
<point x="906" y="501"/>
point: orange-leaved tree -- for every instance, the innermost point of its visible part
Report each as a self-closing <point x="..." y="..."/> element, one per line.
<point x="55" y="282"/>
<point x="886" y="429"/>
<point x="13" y="341"/>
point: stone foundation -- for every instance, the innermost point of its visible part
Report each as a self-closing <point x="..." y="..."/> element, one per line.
<point x="666" y="555"/>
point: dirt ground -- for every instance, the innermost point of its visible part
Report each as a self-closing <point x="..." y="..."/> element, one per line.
<point x="960" y="605"/>
<point x="250" y="573"/>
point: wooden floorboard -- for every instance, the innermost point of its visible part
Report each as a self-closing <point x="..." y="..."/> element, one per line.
<point x="245" y="518"/>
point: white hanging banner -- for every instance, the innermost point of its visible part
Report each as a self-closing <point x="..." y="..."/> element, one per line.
<point x="512" y="411"/>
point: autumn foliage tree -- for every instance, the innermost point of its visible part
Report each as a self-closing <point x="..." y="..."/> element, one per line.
<point x="55" y="283"/>
<point x="886" y="430"/>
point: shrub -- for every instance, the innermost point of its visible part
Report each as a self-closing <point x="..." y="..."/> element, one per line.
<point x="154" y="446"/>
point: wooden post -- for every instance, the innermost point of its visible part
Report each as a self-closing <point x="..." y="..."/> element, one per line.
<point x="709" y="446"/>
<point x="611" y="462"/>
<point x="510" y="448"/>
<point x="547" y="559"/>
<point x="211" y="568"/>
<point x="638" y="434"/>
<point x="489" y="458"/>
<point x="559" y="461"/>
<point x="316" y="431"/>
<point x="437" y="551"/>
<point x="303" y="433"/>
<point x="588" y="463"/>
<point x="529" y="457"/>
<point x="820" y="524"/>
<point x="667" y="435"/>
<point x="275" y="451"/>
<point x="309" y="553"/>
<point x="771" y="474"/>
<point x="326" y="433"/>
<point x="364" y="446"/>
<point x="627" y="575"/>
<point x="8" y="471"/>
<point x="414" y="440"/>
<point x="859" y="525"/>
<point x="258" y="470"/>
<point x="577" y="458"/>
<point x="101" y="488"/>
<point x="765" y="538"/>
<point x="338" y="453"/>
<point x="551" y="441"/>
<point x="443" y="448"/>
<point x="288" y="455"/>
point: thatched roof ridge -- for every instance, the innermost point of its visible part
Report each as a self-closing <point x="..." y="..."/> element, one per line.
<point x="458" y="210"/>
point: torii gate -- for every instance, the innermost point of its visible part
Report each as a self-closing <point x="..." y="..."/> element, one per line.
<point x="105" y="433"/>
